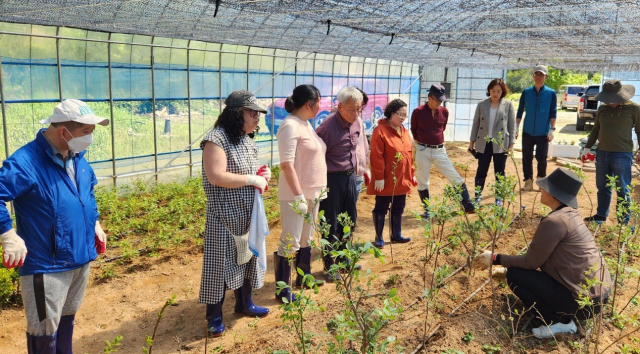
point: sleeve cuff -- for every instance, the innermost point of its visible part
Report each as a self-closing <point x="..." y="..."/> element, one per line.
<point x="496" y="259"/>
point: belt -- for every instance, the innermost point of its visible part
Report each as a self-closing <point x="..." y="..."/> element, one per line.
<point x="432" y="146"/>
<point x="347" y="172"/>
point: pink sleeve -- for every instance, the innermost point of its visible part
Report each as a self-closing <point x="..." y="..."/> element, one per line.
<point x="288" y="136"/>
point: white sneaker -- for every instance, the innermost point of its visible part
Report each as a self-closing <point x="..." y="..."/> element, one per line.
<point x="528" y="186"/>
<point x="550" y="331"/>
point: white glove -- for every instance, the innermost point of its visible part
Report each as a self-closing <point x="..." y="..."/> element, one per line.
<point x="379" y="186"/>
<point x="102" y="236"/>
<point x="550" y="135"/>
<point x="483" y="260"/>
<point x="499" y="272"/>
<point x="302" y="206"/>
<point x="265" y="172"/>
<point x="256" y="181"/>
<point x="583" y="156"/>
<point x="15" y="251"/>
<point x="517" y="130"/>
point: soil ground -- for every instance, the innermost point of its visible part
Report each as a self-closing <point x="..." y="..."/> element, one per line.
<point x="128" y="304"/>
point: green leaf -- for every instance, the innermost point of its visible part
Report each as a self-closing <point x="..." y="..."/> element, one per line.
<point x="393" y="292"/>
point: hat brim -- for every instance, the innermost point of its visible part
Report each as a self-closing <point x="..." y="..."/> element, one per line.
<point x="255" y="107"/>
<point x="440" y="97"/>
<point x="557" y="192"/>
<point x="540" y="71"/>
<point x="626" y="93"/>
<point x="89" y="120"/>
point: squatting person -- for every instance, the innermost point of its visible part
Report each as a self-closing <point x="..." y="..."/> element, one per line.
<point x="564" y="250"/>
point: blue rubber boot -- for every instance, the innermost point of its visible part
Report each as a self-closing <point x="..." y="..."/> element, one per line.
<point x="396" y="229"/>
<point x="214" y="318"/>
<point x="303" y="261"/>
<point x="65" y="334"/>
<point x="41" y="344"/>
<point x="245" y="305"/>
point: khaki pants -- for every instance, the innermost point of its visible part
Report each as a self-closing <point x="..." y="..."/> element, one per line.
<point x="295" y="230"/>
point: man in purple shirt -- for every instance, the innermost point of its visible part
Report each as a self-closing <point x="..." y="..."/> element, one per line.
<point x="341" y="136"/>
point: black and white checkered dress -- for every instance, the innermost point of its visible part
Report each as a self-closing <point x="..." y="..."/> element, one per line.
<point x="228" y="212"/>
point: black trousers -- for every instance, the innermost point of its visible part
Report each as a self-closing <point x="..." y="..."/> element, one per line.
<point x="484" y="160"/>
<point x="542" y="148"/>
<point x="553" y="301"/>
<point x="342" y="197"/>
<point x="397" y="205"/>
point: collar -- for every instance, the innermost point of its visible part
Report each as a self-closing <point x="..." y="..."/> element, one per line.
<point x="343" y="123"/>
<point x="48" y="147"/>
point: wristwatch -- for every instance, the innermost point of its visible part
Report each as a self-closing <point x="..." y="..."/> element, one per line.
<point x="553" y="128"/>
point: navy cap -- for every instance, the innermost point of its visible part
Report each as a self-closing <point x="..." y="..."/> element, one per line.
<point x="438" y="92"/>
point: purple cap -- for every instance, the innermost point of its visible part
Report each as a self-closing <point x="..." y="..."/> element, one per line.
<point x="438" y="92"/>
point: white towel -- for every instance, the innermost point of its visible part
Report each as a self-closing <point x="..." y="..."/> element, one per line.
<point x="258" y="231"/>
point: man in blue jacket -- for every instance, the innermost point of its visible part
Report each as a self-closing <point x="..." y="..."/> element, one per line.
<point x="57" y="230"/>
<point x="539" y="104"/>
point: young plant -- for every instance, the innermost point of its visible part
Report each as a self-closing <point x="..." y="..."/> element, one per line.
<point x="112" y="347"/>
<point x="149" y="340"/>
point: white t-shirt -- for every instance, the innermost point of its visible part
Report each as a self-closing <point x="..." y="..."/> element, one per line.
<point x="492" y="119"/>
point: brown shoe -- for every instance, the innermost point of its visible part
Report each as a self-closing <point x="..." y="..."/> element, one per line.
<point x="528" y="185"/>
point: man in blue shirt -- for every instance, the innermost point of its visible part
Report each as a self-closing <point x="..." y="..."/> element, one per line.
<point x="57" y="230"/>
<point x="539" y="103"/>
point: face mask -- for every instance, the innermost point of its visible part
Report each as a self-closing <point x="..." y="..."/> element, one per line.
<point x="79" y="144"/>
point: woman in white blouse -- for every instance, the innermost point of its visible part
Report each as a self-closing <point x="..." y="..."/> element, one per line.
<point x="495" y="118"/>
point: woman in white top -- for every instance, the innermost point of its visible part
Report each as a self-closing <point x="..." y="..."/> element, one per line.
<point x="495" y="118"/>
<point x="303" y="177"/>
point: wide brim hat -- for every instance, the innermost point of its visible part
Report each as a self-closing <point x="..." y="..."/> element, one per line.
<point x="245" y="99"/>
<point x="562" y="184"/>
<point x="614" y="92"/>
<point x="73" y="110"/>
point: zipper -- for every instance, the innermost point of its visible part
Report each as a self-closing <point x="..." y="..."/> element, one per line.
<point x="535" y="117"/>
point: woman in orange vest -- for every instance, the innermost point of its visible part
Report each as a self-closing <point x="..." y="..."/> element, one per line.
<point x="392" y="170"/>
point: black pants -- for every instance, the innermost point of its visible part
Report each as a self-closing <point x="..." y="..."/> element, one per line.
<point x="342" y="197"/>
<point x="484" y="160"/>
<point x="397" y="205"/>
<point x="552" y="300"/>
<point x="542" y="148"/>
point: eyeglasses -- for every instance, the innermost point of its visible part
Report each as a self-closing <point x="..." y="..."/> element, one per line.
<point x="356" y="109"/>
<point x="404" y="115"/>
<point x="252" y="113"/>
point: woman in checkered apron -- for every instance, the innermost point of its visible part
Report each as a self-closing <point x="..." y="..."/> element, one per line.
<point x="230" y="174"/>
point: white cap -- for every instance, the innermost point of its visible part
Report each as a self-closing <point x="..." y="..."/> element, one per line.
<point x="74" y="111"/>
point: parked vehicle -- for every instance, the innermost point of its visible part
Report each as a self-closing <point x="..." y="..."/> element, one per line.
<point x="371" y="112"/>
<point x="587" y="107"/>
<point x="568" y="96"/>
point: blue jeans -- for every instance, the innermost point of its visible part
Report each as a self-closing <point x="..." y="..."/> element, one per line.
<point x="359" y="182"/>
<point x="613" y="164"/>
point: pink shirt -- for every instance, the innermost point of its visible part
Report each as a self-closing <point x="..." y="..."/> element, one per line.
<point x="299" y="144"/>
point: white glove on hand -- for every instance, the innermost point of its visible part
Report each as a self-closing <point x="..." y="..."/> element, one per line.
<point x="550" y="135"/>
<point x="15" y="251"/>
<point x="102" y="238"/>
<point x="302" y="206"/>
<point x="256" y="181"/>
<point x="265" y="172"/>
<point x="482" y="261"/>
<point x="499" y="272"/>
<point x="517" y="130"/>
<point x="379" y="186"/>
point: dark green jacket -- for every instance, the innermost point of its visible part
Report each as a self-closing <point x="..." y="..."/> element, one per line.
<point x="613" y="127"/>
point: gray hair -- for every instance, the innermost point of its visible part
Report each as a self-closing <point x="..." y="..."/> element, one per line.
<point x="349" y="93"/>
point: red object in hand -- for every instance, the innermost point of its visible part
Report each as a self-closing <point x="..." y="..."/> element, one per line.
<point x="9" y="266"/>
<point x="367" y="180"/>
<point x="589" y="157"/>
<point x="260" y="173"/>
<point x="100" y="246"/>
<point x="414" y="181"/>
